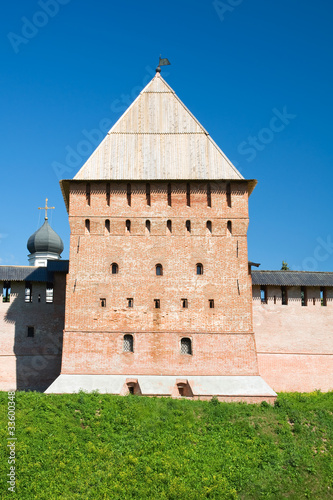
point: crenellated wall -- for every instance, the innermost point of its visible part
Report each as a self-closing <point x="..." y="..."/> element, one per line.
<point x="294" y="342"/>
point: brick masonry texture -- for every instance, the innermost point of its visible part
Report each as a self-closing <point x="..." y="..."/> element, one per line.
<point x="222" y="337"/>
<point x="294" y="342"/>
<point x="31" y="363"/>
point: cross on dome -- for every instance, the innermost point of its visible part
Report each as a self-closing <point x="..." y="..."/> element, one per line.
<point x="46" y="208"/>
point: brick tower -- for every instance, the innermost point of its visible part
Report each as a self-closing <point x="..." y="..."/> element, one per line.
<point x="158" y="297"/>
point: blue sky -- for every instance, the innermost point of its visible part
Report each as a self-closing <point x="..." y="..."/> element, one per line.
<point x="67" y="65"/>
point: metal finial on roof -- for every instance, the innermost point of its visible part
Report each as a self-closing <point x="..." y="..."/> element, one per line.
<point x="162" y="62"/>
<point x="46" y="208"/>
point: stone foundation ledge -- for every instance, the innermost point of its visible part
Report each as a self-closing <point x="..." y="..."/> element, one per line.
<point x="252" y="389"/>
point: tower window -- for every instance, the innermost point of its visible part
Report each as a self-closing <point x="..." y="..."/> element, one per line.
<point x="88" y="193"/>
<point x="148" y="194"/>
<point x="169" y="226"/>
<point x="159" y="270"/>
<point x="31" y="331"/>
<point x="323" y="297"/>
<point x="129" y="195"/>
<point x="284" y="296"/>
<point x="49" y="293"/>
<point x="209" y="196"/>
<point x="199" y="268"/>
<point x="130" y="302"/>
<point x="108" y="194"/>
<point x="184" y="303"/>
<point x="185" y="346"/>
<point x="304" y="296"/>
<point x="229" y="227"/>
<point x="6" y="291"/>
<point x="107" y="226"/>
<point x="188" y="225"/>
<point x="128" y="344"/>
<point x="148" y="226"/>
<point x="169" y="195"/>
<point x="157" y="303"/>
<point x="188" y="195"/>
<point x="128" y="226"/>
<point x="228" y="194"/>
<point x="209" y="225"/>
<point x="263" y="294"/>
<point x="211" y="303"/>
<point x="102" y="302"/>
<point x="28" y="292"/>
<point x="87" y="226"/>
<point x="114" y="268"/>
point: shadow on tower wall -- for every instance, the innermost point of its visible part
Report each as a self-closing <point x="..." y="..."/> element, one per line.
<point x="36" y="359"/>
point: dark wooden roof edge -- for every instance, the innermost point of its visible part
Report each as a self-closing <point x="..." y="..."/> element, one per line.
<point x="32" y="273"/>
<point x="292" y="278"/>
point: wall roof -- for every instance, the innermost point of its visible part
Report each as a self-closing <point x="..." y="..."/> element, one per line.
<point x="32" y="273"/>
<point x="292" y="278"/>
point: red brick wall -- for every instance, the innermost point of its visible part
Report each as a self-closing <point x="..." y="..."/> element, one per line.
<point x="294" y="342"/>
<point x="225" y="279"/>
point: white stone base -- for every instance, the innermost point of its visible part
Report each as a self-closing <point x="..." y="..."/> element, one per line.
<point x="228" y="387"/>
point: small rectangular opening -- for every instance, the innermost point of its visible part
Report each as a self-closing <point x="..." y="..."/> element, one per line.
<point x="28" y="292"/>
<point x="304" y="296"/>
<point x="31" y="331"/>
<point x="228" y="194"/>
<point x="129" y="195"/>
<point x="157" y="303"/>
<point x="108" y="194"/>
<point x="6" y="291"/>
<point x="263" y="294"/>
<point x="188" y="195"/>
<point x="130" y="302"/>
<point x="49" y="293"/>
<point x="323" y="297"/>
<point x="211" y="303"/>
<point x="184" y="303"/>
<point x="102" y="302"/>
<point x="284" y="296"/>
<point x="188" y="226"/>
<point x="88" y="193"/>
<point x="148" y="194"/>
<point x="169" y="195"/>
<point x="209" y="196"/>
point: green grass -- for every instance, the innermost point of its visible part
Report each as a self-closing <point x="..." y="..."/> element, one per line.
<point x="93" y="446"/>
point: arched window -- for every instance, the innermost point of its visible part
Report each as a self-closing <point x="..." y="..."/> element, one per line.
<point x="188" y="225"/>
<point x="128" y="344"/>
<point x="114" y="268"/>
<point x="169" y="226"/>
<point x="209" y="225"/>
<point x="185" y="346"/>
<point x="229" y="227"/>
<point x="128" y="226"/>
<point x="147" y="226"/>
<point x="199" y="268"/>
<point x="107" y="225"/>
<point x="159" y="270"/>
<point x="87" y="226"/>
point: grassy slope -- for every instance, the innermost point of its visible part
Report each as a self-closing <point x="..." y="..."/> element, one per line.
<point x="92" y="446"/>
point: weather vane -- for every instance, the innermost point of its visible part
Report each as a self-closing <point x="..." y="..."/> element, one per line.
<point x="163" y="62"/>
<point x="46" y="208"/>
